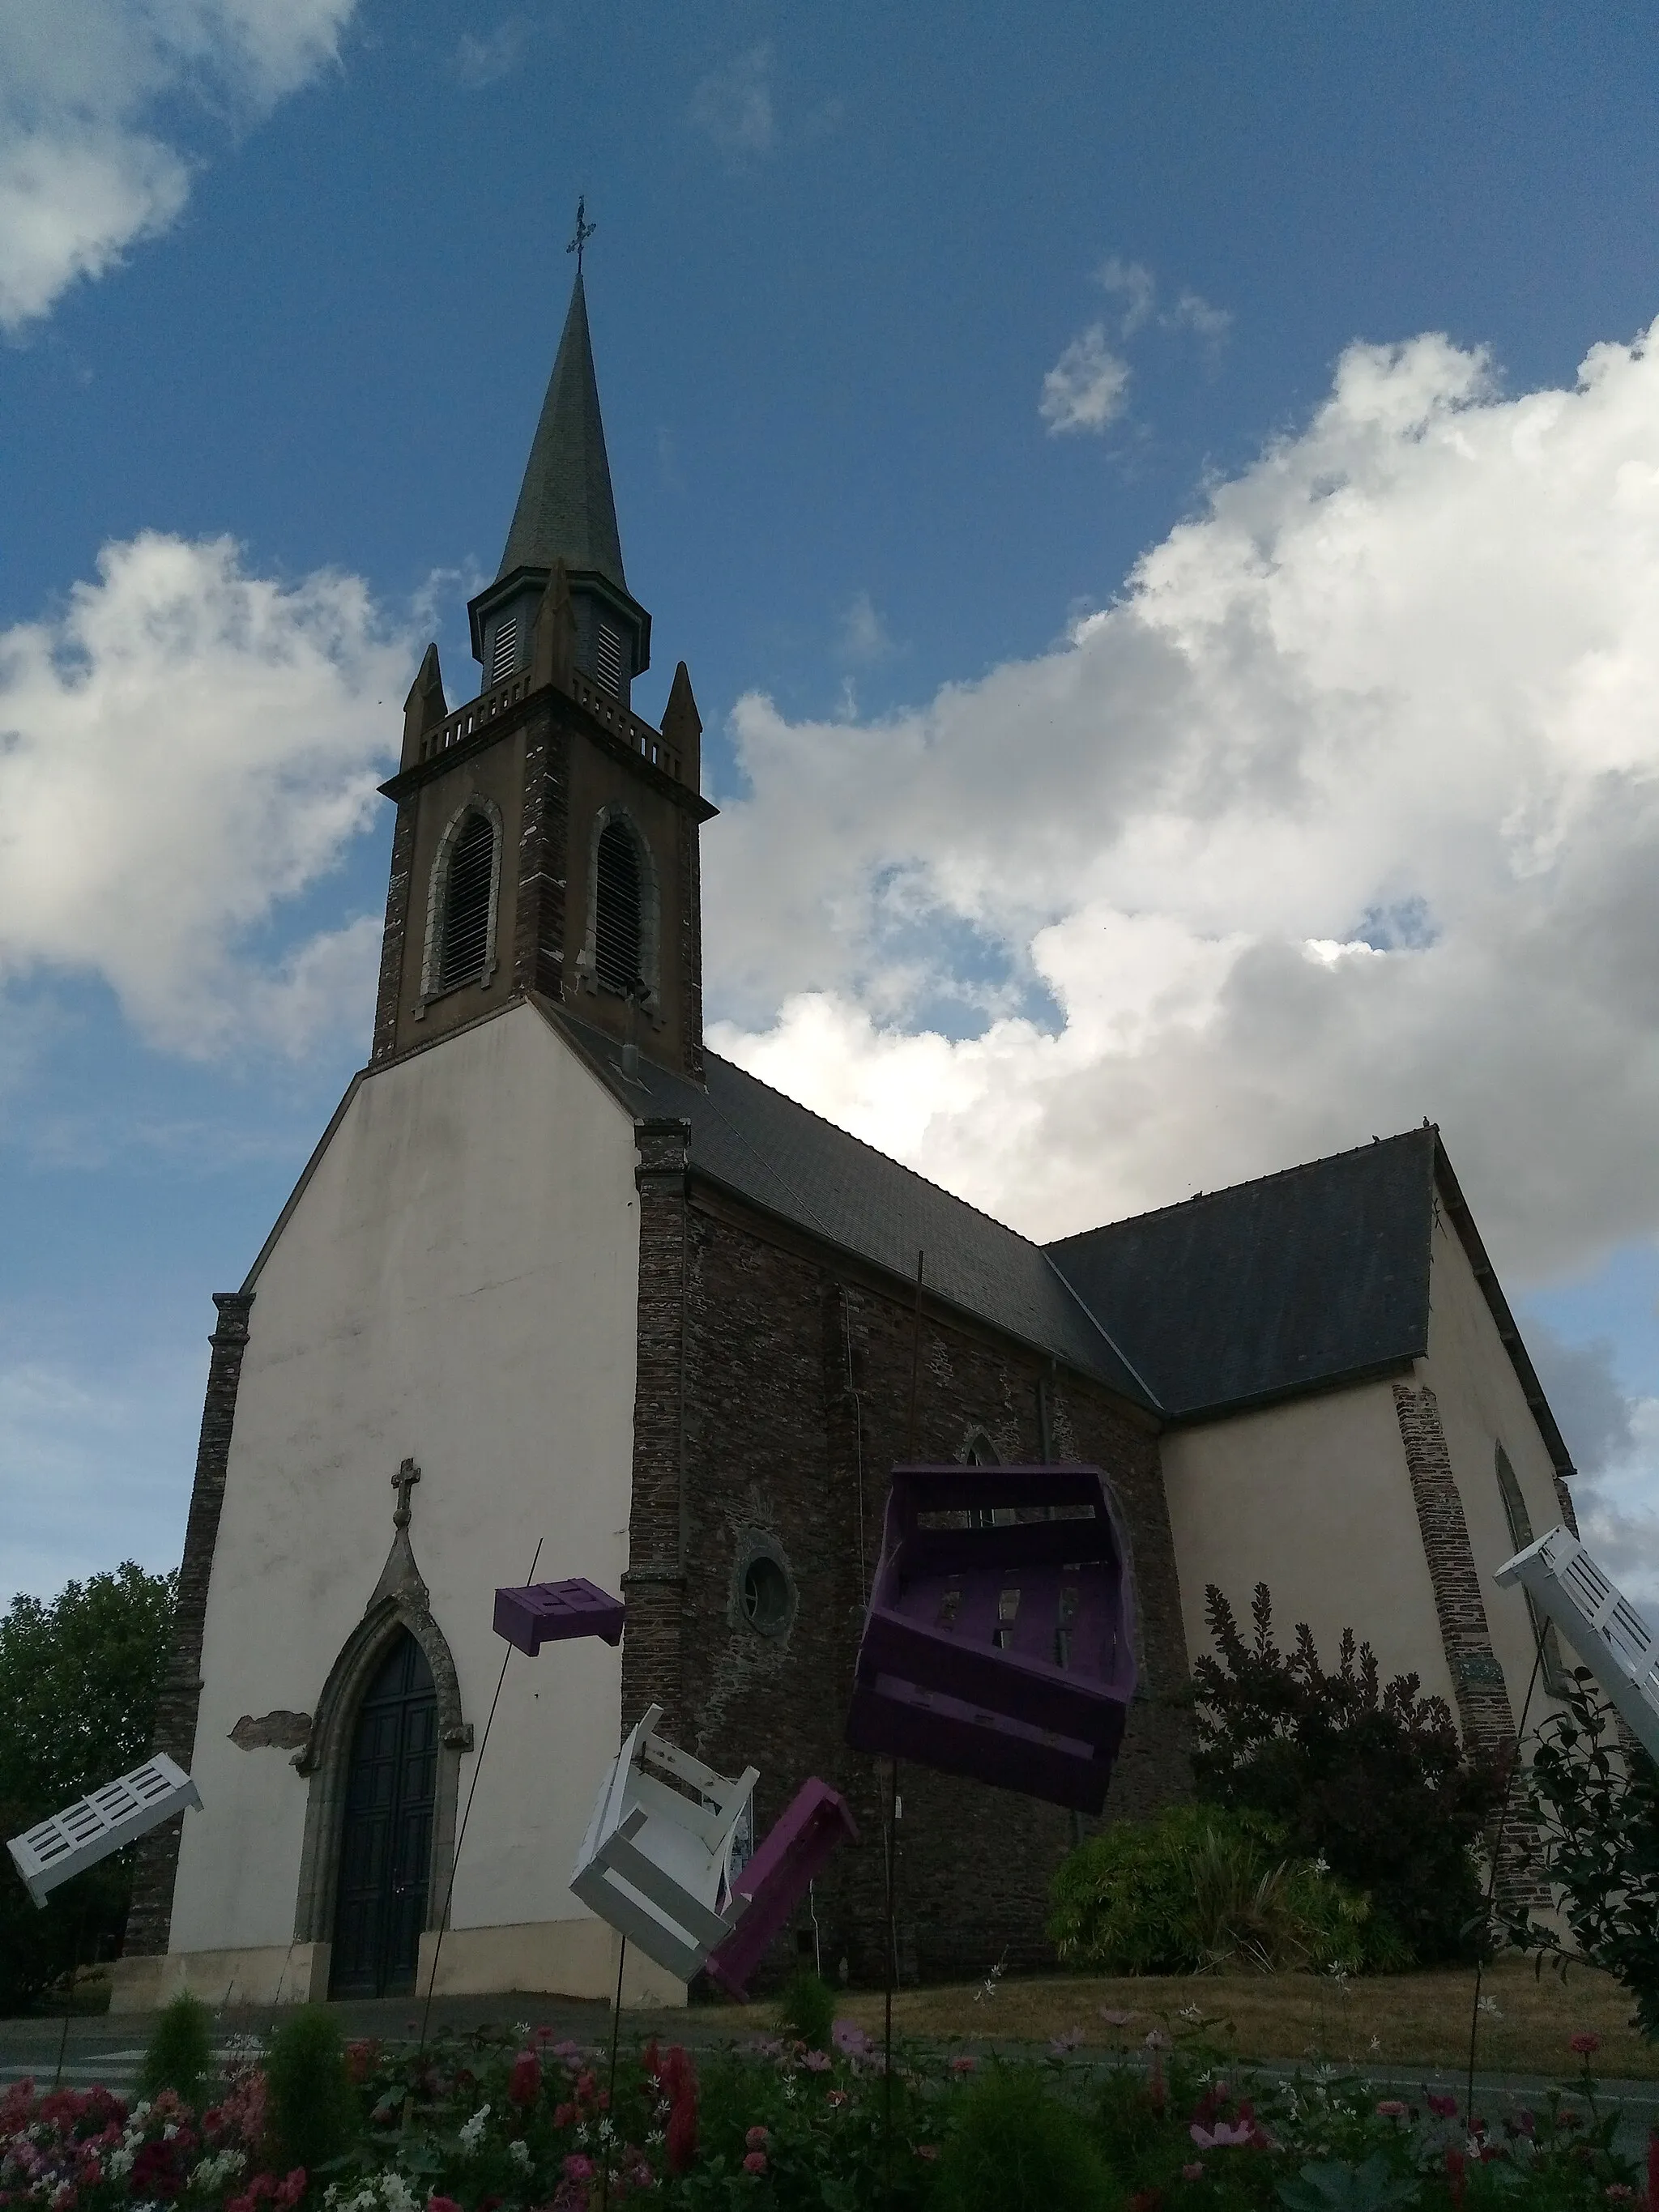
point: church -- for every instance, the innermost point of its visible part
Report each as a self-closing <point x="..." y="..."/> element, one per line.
<point x="559" y="1292"/>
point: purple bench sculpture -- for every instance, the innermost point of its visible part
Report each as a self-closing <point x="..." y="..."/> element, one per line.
<point x="547" y="1613"/>
<point x="776" y="1879"/>
<point x="999" y="1647"/>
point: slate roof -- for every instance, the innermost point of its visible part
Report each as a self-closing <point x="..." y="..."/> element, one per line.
<point x="1316" y="1275"/>
<point x="566" y="510"/>
<point x="792" y="1164"/>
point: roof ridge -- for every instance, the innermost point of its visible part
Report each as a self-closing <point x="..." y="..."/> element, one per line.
<point x="1429" y="1129"/>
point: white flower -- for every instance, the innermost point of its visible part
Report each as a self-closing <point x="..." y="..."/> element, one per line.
<point x="605" y="2131"/>
<point x="120" y="2161"/>
<point x="399" y="2196"/>
<point x="472" y="2134"/>
<point x="518" y="2151"/>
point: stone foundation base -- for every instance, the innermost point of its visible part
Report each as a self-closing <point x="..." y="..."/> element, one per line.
<point x="545" y="1958"/>
<point x="289" y="1975"/>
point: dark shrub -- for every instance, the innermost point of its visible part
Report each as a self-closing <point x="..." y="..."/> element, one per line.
<point x="1593" y="1838"/>
<point x="181" y="2052"/>
<point x="1372" y="1780"/>
<point x="311" y="2107"/>
<point x="1017" y="2148"/>
<point x="806" y="2009"/>
<point x="1201" y="1889"/>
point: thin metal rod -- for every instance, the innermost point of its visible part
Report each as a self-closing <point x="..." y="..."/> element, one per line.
<point x="455" y="1862"/>
<point x="1492" y="1878"/>
<point x="69" y="1993"/>
<point x="610" y="2108"/>
<point x="892" y="1785"/>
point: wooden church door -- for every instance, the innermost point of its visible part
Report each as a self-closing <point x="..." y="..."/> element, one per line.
<point x="386" y="1846"/>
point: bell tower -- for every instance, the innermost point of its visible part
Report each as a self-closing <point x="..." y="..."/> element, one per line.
<point x="546" y="838"/>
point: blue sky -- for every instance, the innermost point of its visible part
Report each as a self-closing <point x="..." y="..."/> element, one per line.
<point x="957" y="363"/>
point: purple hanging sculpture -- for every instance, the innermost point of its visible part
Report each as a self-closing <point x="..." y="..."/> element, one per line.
<point x="547" y="1613"/>
<point x="999" y="1640"/>
<point x="776" y="1878"/>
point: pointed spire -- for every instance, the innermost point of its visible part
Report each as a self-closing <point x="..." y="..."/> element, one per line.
<point x="682" y="724"/>
<point x="565" y="511"/>
<point x="425" y="707"/>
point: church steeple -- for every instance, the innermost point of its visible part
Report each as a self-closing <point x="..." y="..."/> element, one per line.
<point x="566" y="510"/>
<point x="566" y="513"/>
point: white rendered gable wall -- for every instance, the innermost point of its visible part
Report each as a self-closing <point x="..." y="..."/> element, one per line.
<point x="457" y="1283"/>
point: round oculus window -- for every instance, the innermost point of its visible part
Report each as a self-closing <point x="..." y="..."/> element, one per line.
<point x="766" y="1594"/>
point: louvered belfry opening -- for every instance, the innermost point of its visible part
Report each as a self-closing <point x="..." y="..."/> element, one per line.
<point x="466" y="904"/>
<point x="608" y="656"/>
<point x="504" y="655"/>
<point x="618" y="919"/>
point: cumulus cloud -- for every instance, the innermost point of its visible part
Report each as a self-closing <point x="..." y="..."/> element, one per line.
<point x="1345" y="813"/>
<point x="183" y="750"/>
<point x="483" y="60"/>
<point x="85" y="169"/>
<point x="732" y="105"/>
<point x="1087" y="387"/>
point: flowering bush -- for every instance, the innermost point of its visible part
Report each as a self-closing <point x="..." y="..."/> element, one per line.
<point x="491" y="2123"/>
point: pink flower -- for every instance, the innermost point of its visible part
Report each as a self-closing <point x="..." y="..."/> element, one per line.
<point x="816" y="2062"/>
<point x="965" y="2064"/>
<point x="1222" y="2136"/>
<point x="926" y="2150"/>
<point x="1192" y="2173"/>
<point x="524" y="2083"/>
<point x="757" y="2138"/>
<point x="836" y="2096"/>
<point x="578" y="2168"/>
<point x="755" y="2163"/>
<point x="849" y="2039"/>
<point x="1584" y="2043"/>
<point x="1391" y="2109"/>
<point x="564" y="2116"/>
<point x="441" y="2204"/>
<point x="1443" y="2108"/>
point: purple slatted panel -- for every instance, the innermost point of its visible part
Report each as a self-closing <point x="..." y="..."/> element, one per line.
<point x="1002" y="1650"/>
<point x="777" y="1877"/>
<point x="548" y="1612"/>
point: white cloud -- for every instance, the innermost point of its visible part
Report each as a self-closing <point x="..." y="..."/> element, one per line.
<point x="865" y="635"/>
<point x="1087" y="387"/>
<point x="1345" y="813"/>
<point x="733" y="104"/>
<point x="482" y="61"/>
<point x="1132" y="283"/>
<point x="1193" y="312"/>
<point x="183" y="750"/>
<point x="83" y="88"/>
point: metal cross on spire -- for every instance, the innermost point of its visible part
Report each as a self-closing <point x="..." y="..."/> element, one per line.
<point x="403" y="1482"/>
<point x="585" y="230"/>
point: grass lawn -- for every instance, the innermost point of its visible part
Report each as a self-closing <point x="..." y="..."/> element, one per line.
<point x="1383" y="2021"/>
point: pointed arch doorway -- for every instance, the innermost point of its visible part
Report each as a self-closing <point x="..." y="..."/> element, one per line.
<point x="385" y="1840"/>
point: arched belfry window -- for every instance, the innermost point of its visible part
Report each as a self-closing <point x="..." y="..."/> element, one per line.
<point x="460" y="938"/>
<point x="621" y="953"/>
<point x="618" y="914"/>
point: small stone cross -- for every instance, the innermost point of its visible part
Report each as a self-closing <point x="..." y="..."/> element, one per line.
<point x="403" y="1482"/>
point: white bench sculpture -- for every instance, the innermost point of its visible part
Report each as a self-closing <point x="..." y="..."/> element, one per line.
<point x="1599" y="1622"/>
<point x="656" y="1864"/>
<point x="93" y="1827"/>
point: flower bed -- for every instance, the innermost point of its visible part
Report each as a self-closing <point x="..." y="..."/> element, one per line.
<point x="515" y="2122"/>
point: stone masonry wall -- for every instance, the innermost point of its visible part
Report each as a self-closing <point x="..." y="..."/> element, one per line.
<point x="157" y="1857"/>
<point x="774" y="1396"/>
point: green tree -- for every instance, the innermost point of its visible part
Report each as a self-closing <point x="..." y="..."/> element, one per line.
<point x="80" y="1676"/>
<point x="1370" y="1779"/>
<point x="1592" y="1835"/>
